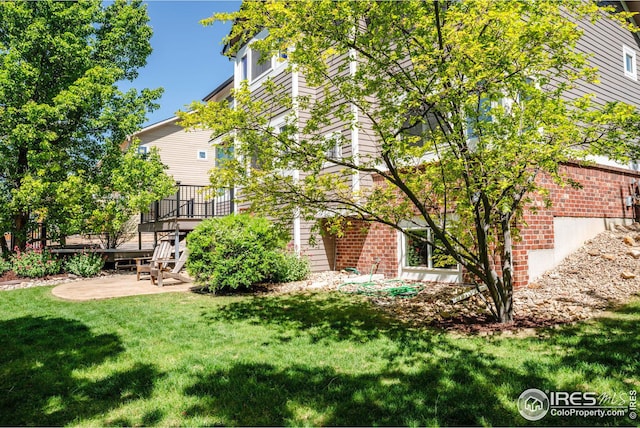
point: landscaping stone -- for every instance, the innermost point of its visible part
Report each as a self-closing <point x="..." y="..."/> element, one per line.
<point x="634" y="253"/>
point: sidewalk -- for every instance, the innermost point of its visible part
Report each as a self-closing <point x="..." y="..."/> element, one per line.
<point x="115" y="286"/>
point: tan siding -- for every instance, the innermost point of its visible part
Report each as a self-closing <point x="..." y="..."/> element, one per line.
<point x="179" y="151"/>
<point x="604" y="41"/>
<point x="321" y="254"/>
<point x="283" y="81"/>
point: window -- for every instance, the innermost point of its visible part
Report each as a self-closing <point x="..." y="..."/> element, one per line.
<point x="243" y="68"/>
<point x="421" y="129"/>
<point x="223" y="154"/>
<point x="420" y="254"/>
<point x="259" y="66"/>
<point x="629" y="62"/>
<point x="143" y="150"/>
<point x="202" y="155"/>
<point x="334" y="149"/>
<point x="483" y="116"/>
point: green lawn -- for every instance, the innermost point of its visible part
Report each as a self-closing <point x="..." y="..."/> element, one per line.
<point x="307" y="359"/>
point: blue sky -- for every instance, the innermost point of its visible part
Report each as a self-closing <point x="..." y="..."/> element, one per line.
<point x="186" y="59"/>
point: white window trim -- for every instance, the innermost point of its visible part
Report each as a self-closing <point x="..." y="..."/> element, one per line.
<point x="277" y="124"/>
<point x="142" y="150"/>
<point x="422" y="273"/>
<point x="206" y="155"/>
<point x="337" y="137"/>
<point x="278" y="64"/>
<point x="627" y="51"/>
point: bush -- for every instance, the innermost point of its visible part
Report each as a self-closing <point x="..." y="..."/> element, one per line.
<point x="5" y="266"/>
<point x="84" y="264"/>
<point x="289" y="267"/>
<point x="34" y="263"/>
<point x="238" y="251"/>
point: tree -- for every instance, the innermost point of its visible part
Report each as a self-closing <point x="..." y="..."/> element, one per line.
<point x="467" y="101"/>
<point x="61" y="112"/>
<point x="125" y="185"/>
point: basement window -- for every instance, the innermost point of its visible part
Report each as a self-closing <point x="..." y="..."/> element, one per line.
<point x="420" y="254"/>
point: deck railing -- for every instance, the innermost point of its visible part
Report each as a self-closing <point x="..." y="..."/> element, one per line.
<point x="195" y="202"/>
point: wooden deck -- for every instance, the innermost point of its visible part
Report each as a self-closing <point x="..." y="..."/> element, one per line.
<point x="170" y="225"/>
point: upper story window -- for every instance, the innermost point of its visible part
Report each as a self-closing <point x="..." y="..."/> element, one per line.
<point x="202" y="155"/>
<point x="223" y="154"/>
<point x="243" y="68"/>
<point x="259" y="65"/>
<point x="334" y="148"/>
<point x="252" y="66"/>
<point x="629" y="62"/>
<point x="143" y="150"/>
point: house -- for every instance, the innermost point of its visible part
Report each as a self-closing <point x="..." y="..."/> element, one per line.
<point x="189" y="157"/>
<point x="576" y="215"/>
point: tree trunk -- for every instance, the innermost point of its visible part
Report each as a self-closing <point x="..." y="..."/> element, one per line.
<point x="4" y="247"/>
<point x="505" y="309"/>
<point x="20" y="229"/>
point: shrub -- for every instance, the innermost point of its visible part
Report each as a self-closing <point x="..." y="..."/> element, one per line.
<point x="236" y="251"/>
<point x="34" y="263"/>
<point x="5" y="265"/>
<point x="84" y="264"/>
<point x="289" y="267"/>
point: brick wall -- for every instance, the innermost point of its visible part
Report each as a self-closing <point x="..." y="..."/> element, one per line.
<point x="365" y="244"/>
<point x="602" y="195"/>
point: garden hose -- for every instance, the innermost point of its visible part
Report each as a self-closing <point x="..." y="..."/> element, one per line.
<point x="389" y="287"/>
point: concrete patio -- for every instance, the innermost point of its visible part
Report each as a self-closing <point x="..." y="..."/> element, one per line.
<point x="115" y="286"/>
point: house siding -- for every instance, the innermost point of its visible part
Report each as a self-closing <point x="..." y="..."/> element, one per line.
<point x="321" y="253"/>
<point x="179" y="151"/>
<point x="603" y="41"/>
<point x="283" y="81"/>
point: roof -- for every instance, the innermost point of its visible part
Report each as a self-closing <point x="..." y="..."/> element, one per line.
<point x="219" y="89"/>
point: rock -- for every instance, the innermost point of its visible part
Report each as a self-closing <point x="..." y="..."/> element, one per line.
<point x="634" y="253"/>
<point x="609" y="256"/>
<point x="554" y="275"/>
<point x="593" y="252"/>
<point x="319" y="284"/>
<point x="629" y="241"/>
<point x="628" y="275"/>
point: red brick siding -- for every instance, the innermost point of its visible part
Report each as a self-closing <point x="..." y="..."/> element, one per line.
<point x="364" y="244"/>
<point x="602" y="196"/>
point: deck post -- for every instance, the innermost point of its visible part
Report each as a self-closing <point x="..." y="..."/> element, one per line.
<point x="231" y="201"/>
<point x="176" y="248"/>
<point x="178" y="200"/>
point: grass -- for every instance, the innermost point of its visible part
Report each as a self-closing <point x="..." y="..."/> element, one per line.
<point x="308" y="359"/>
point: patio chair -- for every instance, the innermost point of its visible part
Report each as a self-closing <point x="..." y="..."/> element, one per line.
<point x="145" y="264"/>
<point x="163" y="270"/>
